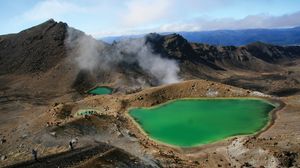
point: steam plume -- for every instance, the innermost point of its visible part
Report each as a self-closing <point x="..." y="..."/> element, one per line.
<point x="91" y="54"/>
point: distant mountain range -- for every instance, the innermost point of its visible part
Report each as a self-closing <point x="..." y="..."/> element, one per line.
<point x="286" y="36"/>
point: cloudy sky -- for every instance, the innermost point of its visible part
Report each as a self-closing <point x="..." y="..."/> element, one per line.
<point x="122" y="17"/>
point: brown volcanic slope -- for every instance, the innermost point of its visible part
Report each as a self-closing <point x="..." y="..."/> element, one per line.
<point x="39" y="77"/>
<point x="256" y="56"/>
<point x="33" y="50"/>
<point x="257" y="66"/>
<point x="42" y="50"/>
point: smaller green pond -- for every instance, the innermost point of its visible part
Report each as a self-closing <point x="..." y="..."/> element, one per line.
<point x="87" y="112"/>
<point x="191" y="122"/>
<point x="100" y="91"/>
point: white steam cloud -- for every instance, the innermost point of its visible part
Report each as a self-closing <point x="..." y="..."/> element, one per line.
<point x="91" y="54"/>
<point x="85" y="48"/>
<point x="164" y="70"/>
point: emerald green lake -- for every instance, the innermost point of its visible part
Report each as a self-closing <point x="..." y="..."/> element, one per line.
<point x="101" y="91"/>
<point x="192" y="122"/>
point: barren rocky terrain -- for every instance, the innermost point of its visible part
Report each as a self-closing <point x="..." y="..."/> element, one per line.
<point x="42" y="87"/>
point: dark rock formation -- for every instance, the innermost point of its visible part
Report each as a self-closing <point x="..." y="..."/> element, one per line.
<point x="33" y="50"/>
<point x="41" y="48"/>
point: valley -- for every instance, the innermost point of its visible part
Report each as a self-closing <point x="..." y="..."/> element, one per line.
<point x="47" y="71"/>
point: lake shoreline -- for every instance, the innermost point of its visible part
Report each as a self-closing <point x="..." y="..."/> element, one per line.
<point x="278" y="105"/>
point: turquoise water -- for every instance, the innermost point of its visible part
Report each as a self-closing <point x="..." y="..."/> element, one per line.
<point x="191" y="122"/>
<point x="87" y="112"/>
<point x="101" y="91"/>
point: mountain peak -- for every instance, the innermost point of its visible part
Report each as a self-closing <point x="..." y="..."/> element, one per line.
<point x="176" y="39"/>
<point x="45" y="26"/>
<point x="26" y="50"/>
<point x="153" y="37"/>
<point x="50" y="21"/>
